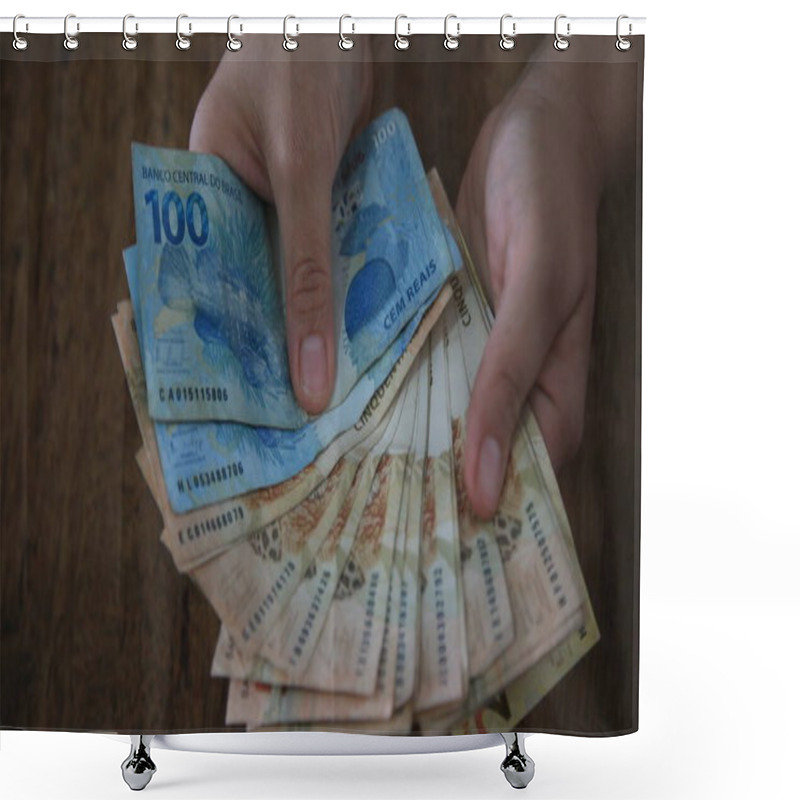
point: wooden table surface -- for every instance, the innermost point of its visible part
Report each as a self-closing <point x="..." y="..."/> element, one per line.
<point x="99" y="631"/>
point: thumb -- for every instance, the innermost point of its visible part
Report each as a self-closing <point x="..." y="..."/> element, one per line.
<point x="304" y="216"/>
<point x="517" y="346"/>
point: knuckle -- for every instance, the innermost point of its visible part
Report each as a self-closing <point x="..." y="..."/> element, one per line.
<point x="509" y="386"/>
<point x="294" y="153"/>
<point x="310" y="289"/>
<point x="506" y="394"/>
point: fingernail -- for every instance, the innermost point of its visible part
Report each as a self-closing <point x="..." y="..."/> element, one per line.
<point x="490" y="471"/>
<point x="313" y="366"/>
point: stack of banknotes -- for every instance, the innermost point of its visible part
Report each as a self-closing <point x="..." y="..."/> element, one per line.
<point x="356" y="589"/>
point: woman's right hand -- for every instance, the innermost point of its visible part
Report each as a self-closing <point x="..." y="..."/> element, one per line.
<point x="283" y="126"/>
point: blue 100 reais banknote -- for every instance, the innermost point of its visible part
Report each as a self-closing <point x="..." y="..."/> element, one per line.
<point x="209" y="287"/>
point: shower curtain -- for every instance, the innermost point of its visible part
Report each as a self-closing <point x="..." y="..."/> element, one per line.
<point x="247" y="486"/>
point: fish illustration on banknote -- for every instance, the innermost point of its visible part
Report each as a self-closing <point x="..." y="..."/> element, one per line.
<point x="209" y="290"/>
<point x="226" y="310"/>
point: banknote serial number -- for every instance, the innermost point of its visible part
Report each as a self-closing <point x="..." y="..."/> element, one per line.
<point x="366" y="633"/>
<point x="193" y="394"/>
<point x="548" y="561"/>
<point x="215" y="524"/>
<point x="210" y="477"/>
<point x="313" y="613"/>
<point x="267" y="601"/>
<point x="491" y="591"/>
<point x="441" y="626"/>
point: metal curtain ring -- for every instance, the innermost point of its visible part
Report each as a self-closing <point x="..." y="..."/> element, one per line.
<point x="182" y="42"/>
<point x="19" y="42"/>
<point x="345" y="43"/>
<point x="233" y="43"/>
<point x="560" y="43"/>
<point x="451" y="42"/>
<point x="70" y="41"/>
<point x="289" y="42"/>
<point x="623" y="44"/>
<point x="401" y="42"/>
<point x="128" y="42"/>
<point x="507" y="42"/>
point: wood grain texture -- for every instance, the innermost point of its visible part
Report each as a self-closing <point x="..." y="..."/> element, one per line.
<point x="99" y="631"/>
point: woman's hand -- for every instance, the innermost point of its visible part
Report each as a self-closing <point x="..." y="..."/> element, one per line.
<point x="528" y="205"/>
<point x="283" y="126"/>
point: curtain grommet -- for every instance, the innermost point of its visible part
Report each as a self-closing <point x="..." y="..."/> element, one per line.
<point x="345" y="42"/>
<point x="290" y="43"/>
<point x="20" y="43"/>
<point x="507" y="41"/>
<point x="70" y="41"/>
<point x="234" y="44"/>
<point x="623" y="44"/>
<point x="401" y="42"/>
<point x="450" y="41"/>
<point x="561" y="42"/>
<point x="182" y="42"/>
<point x="129" y="42"/>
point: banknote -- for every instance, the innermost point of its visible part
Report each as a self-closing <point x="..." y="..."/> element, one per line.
<point x="383" y="702"/>
<point x="356" y="663"/>
<point x="209" y="278"/>
<point x="510" y="705"/>
<point x="249" y="703"/>
<point x="548" y="598"/>
<point x="408" y="624"/>
<point x="443" y="672"/>
<point x="546" y="602"/>
<point x="363" y="594"/>
<point x="489" y="621"/>
<point x="289" y="646"/>
<point x="255" y="585"/>
<point x="223" y="452"/>
<point x="196" y="536"/>
<point x="250" y="584"/>
<point x="348" y="652"/>
<point x="507" y="708"/>
<point x="205" y="463"/>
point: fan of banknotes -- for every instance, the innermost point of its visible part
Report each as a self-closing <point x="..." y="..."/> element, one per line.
<point x="355" y="588"/>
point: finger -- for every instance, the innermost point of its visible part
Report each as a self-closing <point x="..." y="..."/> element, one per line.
<point x="558" y="398"/>
<point x="303" y="204"/>
<point x="222" y="127"/>
<point x="525" y="327"/>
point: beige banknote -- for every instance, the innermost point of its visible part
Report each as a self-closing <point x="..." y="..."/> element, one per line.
<point x="443" y="670"/>
<point x="549" y="599"/>
<point x="285" y="656"/>
<point x="296" y="604"/>
<point x="248" y="702"/>
<point x="250" y="584"/>
<point x="381" y="704"/>
<point x="367" y="621"/>
<point x="512" y="704"/>
<point x="292" y="642"/>
<point x="553" y="620"/>
<point x="199" y="535"/>
<point x="539" y="572"/>
<point x="409" y="626"/>
<point x="347" y="655"/>
<point x="489" y="619"/>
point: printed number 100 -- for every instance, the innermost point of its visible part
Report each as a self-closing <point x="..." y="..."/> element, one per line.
<point x="176" y="222"/>
<point x="383" y="134"/>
